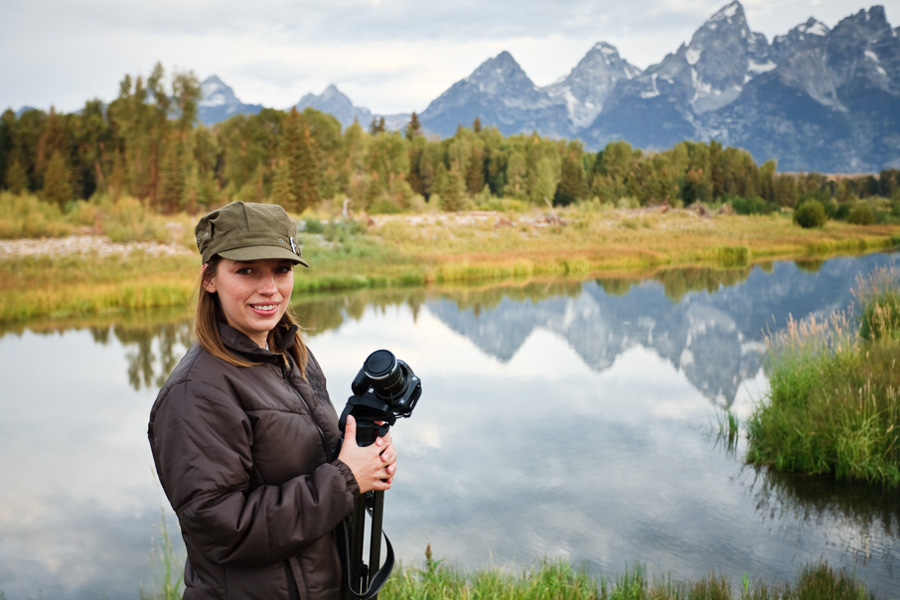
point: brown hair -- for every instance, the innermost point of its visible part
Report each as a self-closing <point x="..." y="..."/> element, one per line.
<point x="209" y="313"/>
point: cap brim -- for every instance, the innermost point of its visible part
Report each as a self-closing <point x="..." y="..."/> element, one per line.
<point x="249" y="253"/>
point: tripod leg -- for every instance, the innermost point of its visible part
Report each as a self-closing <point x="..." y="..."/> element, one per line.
<point x="375" y="539"/>
<point x="359" y="573"/>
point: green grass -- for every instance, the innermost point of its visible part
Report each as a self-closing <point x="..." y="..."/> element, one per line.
<point x="558" y="580"/>
<point x="170" y="583"/>
<point x="729" y="430"/>
<point x="834" y="403"/>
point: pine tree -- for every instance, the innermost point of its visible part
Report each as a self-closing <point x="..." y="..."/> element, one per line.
<point x="16" y="179"/>
<point x="414" y="129"/>
<point x="573" y="182"/>
<point x="57" y="181"/>
<point x="377" y="126"/>
<point x="449" y="186"/>
<point x="296" y="184"/>
<point x="7" y="144"/>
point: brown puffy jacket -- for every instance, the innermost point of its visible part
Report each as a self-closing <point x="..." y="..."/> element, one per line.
<point x="244" y="455"/>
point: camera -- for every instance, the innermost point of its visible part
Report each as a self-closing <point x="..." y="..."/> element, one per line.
<point x="384" y="389"/>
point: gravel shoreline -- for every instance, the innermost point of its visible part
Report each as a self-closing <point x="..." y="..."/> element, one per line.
<point x="85" y="245"/>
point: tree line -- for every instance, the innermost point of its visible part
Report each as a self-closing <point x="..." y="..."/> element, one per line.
<point x="148" y="144"/>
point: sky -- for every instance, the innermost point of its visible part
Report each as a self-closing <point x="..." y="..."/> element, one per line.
<point x="390" y="56"/>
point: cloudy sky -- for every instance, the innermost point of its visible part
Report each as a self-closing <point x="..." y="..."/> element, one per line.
<point x="390" y="56"/>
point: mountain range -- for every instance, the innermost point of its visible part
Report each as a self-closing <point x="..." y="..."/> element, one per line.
<point x="814" y="99"/>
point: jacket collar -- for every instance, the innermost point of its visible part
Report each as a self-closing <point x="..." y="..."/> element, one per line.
<point x="283" y="339"/>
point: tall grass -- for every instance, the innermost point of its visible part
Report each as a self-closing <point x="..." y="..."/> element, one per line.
<point x="123" y="220"/>
<point x="170" y="584"/>
<point x="557" y="580"/>
<point x="25" y="216"/>
<point x="834" y="402"/>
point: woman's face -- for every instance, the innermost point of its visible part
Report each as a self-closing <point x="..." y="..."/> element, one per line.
<point x="253" y="295"/>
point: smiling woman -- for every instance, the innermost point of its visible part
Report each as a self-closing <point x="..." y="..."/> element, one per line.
<point x="243" y="433"/>
<point x="253" y="295"/>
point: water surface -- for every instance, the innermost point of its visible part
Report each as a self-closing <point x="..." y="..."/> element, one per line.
<point x="573" y="420"/>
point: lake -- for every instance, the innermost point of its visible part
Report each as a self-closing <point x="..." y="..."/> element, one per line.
<point x="575" y="420"/>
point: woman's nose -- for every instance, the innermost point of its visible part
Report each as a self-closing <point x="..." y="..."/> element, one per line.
<point x="267" y="284"/>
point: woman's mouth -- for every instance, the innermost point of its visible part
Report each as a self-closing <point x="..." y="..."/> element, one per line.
<point x="264" y="307"/>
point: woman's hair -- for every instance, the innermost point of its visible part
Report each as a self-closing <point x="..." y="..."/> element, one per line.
<point x="209" y="314"/>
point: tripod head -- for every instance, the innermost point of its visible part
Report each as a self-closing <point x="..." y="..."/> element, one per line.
<point x="384" y="389"/>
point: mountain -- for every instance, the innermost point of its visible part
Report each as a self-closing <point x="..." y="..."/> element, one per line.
<point x="814" y="98"/>
<point x="24" y="110"/>
<point x="335" y="103"/>
<point x="832" y="105"/>
<point x="586" y="88"/>
<point x="663" y="105"/>
<point x="498" y="93"/>
<point x="218" y="102"/>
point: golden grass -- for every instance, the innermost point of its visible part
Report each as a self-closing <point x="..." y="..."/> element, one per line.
<point x="432" y="249"/>
<point x="621" y="240"/>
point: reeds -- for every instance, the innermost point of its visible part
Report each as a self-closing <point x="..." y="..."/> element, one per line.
<point x="171" y="579"/>
<point x="834" y="402"/>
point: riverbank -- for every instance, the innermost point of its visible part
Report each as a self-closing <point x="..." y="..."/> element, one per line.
<point x="559" y="580"/>
<point x="91" y="273"/>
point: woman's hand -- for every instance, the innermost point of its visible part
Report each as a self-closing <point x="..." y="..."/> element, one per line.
<point x="373" y="465"/>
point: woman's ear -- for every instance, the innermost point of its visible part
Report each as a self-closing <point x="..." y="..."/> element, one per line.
<point x="209" y="283"/>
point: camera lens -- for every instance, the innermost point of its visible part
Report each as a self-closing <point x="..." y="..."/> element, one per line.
<point x="384" y="371"/>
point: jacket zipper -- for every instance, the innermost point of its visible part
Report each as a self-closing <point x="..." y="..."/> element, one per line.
<point x="312" y="416"/>
<point x="293" y="590"/>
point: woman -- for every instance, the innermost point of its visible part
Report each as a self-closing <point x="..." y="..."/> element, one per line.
<point x="243" y="432"/>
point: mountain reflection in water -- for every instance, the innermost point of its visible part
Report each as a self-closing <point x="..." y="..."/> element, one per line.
<point x="563" y="419"/>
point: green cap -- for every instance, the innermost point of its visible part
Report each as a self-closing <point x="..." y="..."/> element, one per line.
<point x="248" y="231"/>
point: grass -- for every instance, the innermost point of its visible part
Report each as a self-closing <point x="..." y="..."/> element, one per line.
<point x="729" y="430"/>
<point x="834" y="402"/>
<point x="427" y="249"/>
<point x="171" y="580"/>
<point x="558" y="580"/>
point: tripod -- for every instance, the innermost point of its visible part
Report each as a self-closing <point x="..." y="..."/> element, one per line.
<point x="362" y="580"/>
<point x="384" y="389"/>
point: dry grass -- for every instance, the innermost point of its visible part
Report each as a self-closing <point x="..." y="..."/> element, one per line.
<point x="424" y="249"/>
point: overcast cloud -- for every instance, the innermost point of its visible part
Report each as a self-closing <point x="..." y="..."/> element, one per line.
<point x="390" y="56"/>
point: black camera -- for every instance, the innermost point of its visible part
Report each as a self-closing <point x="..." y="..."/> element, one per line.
<point x="384" y="389"/>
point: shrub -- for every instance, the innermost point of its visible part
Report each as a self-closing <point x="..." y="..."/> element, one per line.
<point x="25" y="216"/>
<point x="129" y="220"/>
<point x="861" y="214"/>
<point x="810" y="213"/>
<point x="313" y="225"/>
<point x="751" y="206"/>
